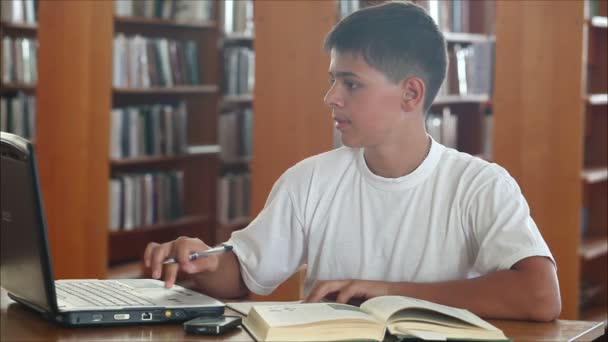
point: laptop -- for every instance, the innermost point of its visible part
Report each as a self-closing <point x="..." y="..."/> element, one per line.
<point x="26" y="267"/>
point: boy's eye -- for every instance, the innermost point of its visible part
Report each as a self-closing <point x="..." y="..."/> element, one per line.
<point x="351" y="85"/>
<point x="331" y="80"/>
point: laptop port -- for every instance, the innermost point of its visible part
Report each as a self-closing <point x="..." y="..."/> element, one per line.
<point x="96" y="317"/>
<point x="146" y="316"/>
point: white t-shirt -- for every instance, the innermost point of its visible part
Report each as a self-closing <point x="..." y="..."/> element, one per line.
<point x="454" y="217"/>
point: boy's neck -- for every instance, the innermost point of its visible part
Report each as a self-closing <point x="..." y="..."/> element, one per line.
<point x="401" y="159"/>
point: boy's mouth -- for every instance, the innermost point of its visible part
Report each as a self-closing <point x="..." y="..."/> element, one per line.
<point x="341" y="123"/>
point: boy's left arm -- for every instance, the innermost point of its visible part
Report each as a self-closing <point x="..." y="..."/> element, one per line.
<point x="527" y="291"/>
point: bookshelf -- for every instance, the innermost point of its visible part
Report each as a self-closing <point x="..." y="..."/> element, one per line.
<point x="77" y="96"/>
<point x="236" y="116"/>
<point x="18" y="65"/>
<point x="553" y="135"/>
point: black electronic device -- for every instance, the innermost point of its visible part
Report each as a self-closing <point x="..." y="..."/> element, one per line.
<point x="209" y="325"/>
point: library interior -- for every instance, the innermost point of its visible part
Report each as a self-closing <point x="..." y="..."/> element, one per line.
<point x="157" y="119"/>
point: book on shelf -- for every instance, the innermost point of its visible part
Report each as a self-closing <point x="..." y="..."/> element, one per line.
<point x="18" y="115"/>
<point x="234" y="197"/>
<point x="182" y="11"/>
<point x="150" y="130"/>
<point x="19" y="11"/>
<point x="471" y="69"/>
<point x="238" y="16"/>
<point x="141" y="62"/>
<point x="239" y="68"/>
<point x="235" y="130"/>
<point x="19" y="60"/>
<point x="443" y="127"/>
<point x="402" y="316"/>
<point x="144" y="199"/>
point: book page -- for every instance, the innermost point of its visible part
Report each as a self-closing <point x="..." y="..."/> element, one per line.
<point x="386" y="306"/>
<point x="244" y="307"/>
<point x="306" y="313"/>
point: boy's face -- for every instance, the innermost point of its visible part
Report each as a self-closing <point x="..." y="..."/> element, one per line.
<point x="366" y="106"/>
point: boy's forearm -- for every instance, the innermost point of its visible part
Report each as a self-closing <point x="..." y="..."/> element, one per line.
<point x="509" y="294"/>
<point x="225" y="282"/>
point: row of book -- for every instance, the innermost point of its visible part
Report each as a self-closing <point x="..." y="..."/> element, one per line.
<point x="470" y="69"/>
<point x="18" y="115"/>
<point x="346" y="7"/>
<point x="19" y="60"/>
<point x="141" y="62"/>
<point x="145" y="199"/>
<point x="238" y="16"/>
<point x="236" y="134"/>
<point x="19" y="11"/>
<point x="453" y="15"/>
<point x="443" y="127"/>
<point x="181" y="11"/>
<point x="239" y="70"/>
<point x="151" y="130"/>
<point x="234" y="192"/>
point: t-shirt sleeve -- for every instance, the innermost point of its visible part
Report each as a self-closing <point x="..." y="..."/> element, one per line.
<point x="504" y="230"/>
<point x="271" y="248"/>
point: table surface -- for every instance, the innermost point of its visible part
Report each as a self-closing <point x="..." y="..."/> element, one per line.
<point x="18" y="323"/>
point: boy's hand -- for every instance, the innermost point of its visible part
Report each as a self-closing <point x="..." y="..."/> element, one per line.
<point x="180" y="249"/>
<point x="347" y="290"/>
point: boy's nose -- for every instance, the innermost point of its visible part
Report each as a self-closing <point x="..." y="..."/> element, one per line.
<point x="332" y="99"/>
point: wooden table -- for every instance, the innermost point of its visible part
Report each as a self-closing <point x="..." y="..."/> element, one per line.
<point x="17" y="323"/>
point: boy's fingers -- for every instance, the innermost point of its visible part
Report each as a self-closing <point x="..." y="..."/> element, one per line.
<point x="170" y="275"/>
<point x="323" y="288"/>
<point x="148" y="252"/>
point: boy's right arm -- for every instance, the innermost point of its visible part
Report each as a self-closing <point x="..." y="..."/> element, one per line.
<point x="216" y="275"/>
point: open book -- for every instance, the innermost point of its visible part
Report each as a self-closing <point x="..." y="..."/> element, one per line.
<point x="402" y="316"/>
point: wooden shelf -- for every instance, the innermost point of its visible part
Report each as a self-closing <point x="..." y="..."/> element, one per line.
<point x="26" y="29"/>
<point x="177" y="90"/>
<point x="597" y="99"/>
<point x="454" y="99"/>
<point x="129" y="245"/>
<point x="236" y="224"/>
<point x="467" y="38"/>
<point x="599" y="22"/>
<point x="128" y="270"/>
<point x="15" y="87"/>
<point x="592" y="248"/>
<point x="155" y="160"/>
<point x="237" y="99"/>
<point x="238" y="37"/>
<point x="595" y="175"/>
<point x="237" y="161"/>
<point x="156" y="22"/>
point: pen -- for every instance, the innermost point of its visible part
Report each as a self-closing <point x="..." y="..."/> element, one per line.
<point x="211" y="251"/>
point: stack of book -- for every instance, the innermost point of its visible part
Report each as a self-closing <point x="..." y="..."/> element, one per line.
<point x="18" y="115"/>
<point x="455" y="15"/>
<point x="154" y="62"/>
<point x="235" y="135"/>
<point x="238" y="17"/>
<point x="239" y="67"/>
<point x="178" y="10"/>
<point x="443" y="127"/>
<point x="234" y="191"/>
<point x="19" y="11"/>
<point x="153" y="130"/>
<point x="471" y="69"/>
<point x="19" y="60"/>
<point x="144" y="199"/>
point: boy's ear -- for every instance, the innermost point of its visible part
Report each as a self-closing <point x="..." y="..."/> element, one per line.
<point x="412" y="96"/>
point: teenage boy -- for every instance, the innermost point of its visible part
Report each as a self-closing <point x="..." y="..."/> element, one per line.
<point x="392" y="212"/>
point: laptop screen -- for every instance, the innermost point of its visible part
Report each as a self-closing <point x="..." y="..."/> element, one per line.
<point x="24" y="250"/>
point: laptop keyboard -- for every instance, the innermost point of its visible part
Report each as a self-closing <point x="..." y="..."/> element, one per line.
<point x="98" y="293"/>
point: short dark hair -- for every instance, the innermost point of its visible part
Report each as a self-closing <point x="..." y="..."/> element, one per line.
<point x="399" y="39"/>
